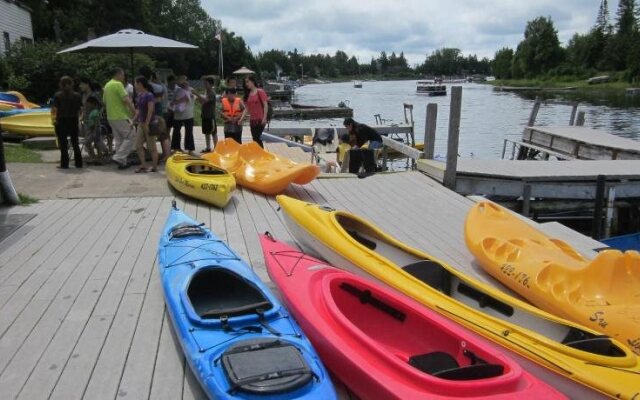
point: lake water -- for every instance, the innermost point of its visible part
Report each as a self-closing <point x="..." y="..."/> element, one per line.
<point x="487" y="116"/>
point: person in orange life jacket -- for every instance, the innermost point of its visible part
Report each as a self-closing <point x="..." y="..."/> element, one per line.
<point x="256" y="100"/>
<point x="232" y="111"/>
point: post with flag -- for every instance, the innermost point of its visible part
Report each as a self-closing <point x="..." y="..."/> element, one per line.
<point x="220" y="59"/>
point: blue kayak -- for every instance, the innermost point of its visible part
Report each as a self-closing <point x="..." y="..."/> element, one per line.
<point x="239" y="340"/>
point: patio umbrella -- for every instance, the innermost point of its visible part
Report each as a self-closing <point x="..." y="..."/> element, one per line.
<point x="129" y="41"/>
<point x="243" y="71"/>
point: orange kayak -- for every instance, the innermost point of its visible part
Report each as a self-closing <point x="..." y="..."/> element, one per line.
<point x="602" y="293"/>
<point x="259" y="170"/>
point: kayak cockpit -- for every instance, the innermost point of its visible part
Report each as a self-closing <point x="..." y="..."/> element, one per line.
<point x="202" y="168"/>
<point x="404" y="336"/>
<point x="216" y="292"/>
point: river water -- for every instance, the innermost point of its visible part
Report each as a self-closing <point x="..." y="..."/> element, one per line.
<point x="488" y="117"/>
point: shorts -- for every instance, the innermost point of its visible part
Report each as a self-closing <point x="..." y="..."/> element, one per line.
<point x="143" y="137"/>
<point x="209" y="126"/>
<point x="158" y="128"/>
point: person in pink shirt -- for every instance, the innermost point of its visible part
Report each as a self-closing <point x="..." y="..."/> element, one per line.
<point x="256" y="101"/>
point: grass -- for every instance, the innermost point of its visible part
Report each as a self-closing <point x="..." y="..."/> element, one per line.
<point x="19" y="154"/>
<point x="25" y="199"/>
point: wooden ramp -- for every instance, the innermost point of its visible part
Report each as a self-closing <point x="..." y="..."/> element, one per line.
<point x="82" y="313"/>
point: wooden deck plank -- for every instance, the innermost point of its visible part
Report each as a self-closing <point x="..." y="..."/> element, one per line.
<point x="12" y="260"/>
<point x="22" y="308"/>
<point x="169" y="366"/>
<point x="45" y="375"/>
<point x="18" y="239"/>
<point x="107" y="374"/>
<point x="60" y="290"/>
<point x="233" y="228"/>
<point x="79" y="367"/>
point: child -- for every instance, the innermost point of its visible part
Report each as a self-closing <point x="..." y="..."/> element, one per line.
<point x="233" y="112"/>
<point x="208" y="103"/>
<point x="93" y="136"/>
<point x="341" y="150"/>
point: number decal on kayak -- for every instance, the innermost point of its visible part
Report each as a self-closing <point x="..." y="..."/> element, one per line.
<point x="598" y="317"/>
<point x="209" y="186"/>
<point x="635" y="345"/>
<point x="518" y="276"/>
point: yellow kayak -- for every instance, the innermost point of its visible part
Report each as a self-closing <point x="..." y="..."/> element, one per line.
<point x="574" y="359"/>
<point x="603" y="293"/>
<point x="36" y="123"/>
<point x="200" y="179"/>
<point x="259" y="170"/>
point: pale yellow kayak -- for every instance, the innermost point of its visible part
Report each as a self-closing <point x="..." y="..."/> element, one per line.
<point x="603" y="293"/>
<point x="575" y="359"/>
<point x="200" y="179"/>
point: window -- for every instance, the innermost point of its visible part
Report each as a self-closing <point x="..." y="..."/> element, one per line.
<point x="26" y="41"/>
<point x="7" y="42"/>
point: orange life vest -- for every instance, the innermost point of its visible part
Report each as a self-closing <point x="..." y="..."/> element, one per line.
<point x="231" y="110"/>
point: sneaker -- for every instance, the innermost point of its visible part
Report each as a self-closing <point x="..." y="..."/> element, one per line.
<point x="207" y="150"/>
<point x="123" y="166"/>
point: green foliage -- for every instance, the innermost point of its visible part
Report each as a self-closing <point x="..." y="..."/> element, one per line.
<point x="25" y="199"/>
<point x="36" y="69"/>
<point x="540" y="50"/>
<point x="501" y="64"/>
<point x="450" y="61"/>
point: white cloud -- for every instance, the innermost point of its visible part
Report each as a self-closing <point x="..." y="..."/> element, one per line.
<point x="417" y="27"/>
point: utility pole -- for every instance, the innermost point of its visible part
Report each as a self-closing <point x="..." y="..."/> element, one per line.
<point x="302" y="79"/>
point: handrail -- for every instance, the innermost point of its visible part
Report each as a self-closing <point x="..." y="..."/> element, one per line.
<point x="403" y="148"/>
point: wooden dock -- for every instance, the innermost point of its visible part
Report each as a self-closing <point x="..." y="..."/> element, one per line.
<point x="81" y="308"/>
<point x="581" y="142"/>
<point x="546" y="179"/>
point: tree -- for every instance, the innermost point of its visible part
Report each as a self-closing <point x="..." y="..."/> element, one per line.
<point x="620" y="48"/>
<point x="501" y="64"/>
<point x="341" y="61"/>
<point x="540" y="50"/>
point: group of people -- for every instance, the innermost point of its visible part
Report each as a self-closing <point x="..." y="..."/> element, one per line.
<point x="136" y="115"/>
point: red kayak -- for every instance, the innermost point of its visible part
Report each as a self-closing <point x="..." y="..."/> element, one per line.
<point x="383" y="345"/>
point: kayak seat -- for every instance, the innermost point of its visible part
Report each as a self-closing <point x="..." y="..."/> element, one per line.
<point x="217" y="292"/>
<point x="445" y="366"/>
<point x="595" y="344"/>
<point x="204" y="170"/>
<point x="265" y="366"/>
<point x="369" y="244"/>
<point x="431" y="273"/>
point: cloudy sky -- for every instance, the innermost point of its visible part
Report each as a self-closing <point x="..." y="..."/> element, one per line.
<point x="417" y="27"/>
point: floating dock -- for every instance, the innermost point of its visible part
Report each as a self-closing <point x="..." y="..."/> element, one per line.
<point x="82" y="313"/>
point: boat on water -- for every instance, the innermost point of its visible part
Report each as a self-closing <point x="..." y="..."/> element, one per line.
<point x="357" y="84"/>
<point x="573" y="358"/>
<point x="259" y="170"/>
<point x="602" y="293"/>
<point x="387" y="346"/>
<point x="200" y="179"/>
<point x="431" y="88"/>
<point x="237" y="337"/>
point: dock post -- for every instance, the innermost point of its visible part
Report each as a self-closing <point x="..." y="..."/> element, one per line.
<point x="608" y="219"/>
<point x="580" y="121"/>
<point x="534" y="112"/>
<point x="8" y="194"/>
<point x="430" y="131"/>
<point x="526" y="200"/>
<point x="574" y="110"/>
<point x="453" y="138"/>
<point x="596" y="229"/>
